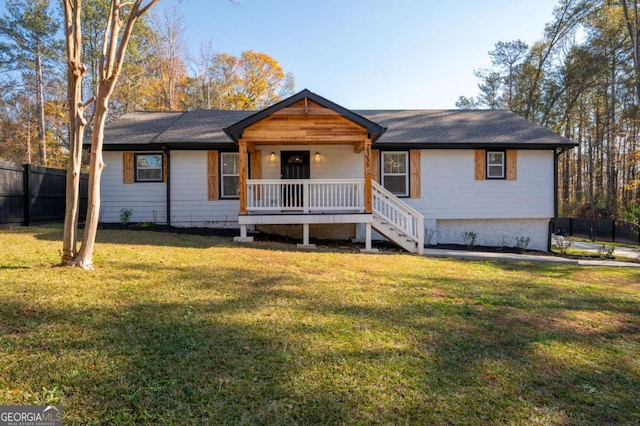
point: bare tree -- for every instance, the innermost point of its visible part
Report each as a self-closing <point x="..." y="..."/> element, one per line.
<point x="169" y="45"/>
<point x="118" y="28"/>
<point x="506" y="55"/>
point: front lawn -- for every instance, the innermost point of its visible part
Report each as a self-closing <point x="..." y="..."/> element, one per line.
<point x="182" y="329"/>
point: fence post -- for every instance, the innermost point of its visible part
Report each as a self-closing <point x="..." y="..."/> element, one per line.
<point x="570" y="227"/>
<point x="26" y="188"/>
<point x="613" y="230"/>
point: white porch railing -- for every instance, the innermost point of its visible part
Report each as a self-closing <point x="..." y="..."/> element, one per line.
<point x="397" y="213"/>
<point x="308" y="195"/>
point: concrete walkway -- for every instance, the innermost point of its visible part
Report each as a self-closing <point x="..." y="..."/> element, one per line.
<point x="514" y="257"/>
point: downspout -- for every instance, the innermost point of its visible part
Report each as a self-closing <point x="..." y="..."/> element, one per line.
<point x="167" y="152"/>
<point x="556" y="156"/>
<point x="555" y="198"/>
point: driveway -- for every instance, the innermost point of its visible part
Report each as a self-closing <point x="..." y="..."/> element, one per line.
<point x="619" y="251"/>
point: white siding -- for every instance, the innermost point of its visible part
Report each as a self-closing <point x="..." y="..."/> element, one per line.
<point x="449" y="190"/>
<point x="146" y="200"/>
<point x="189" y="204"/>
<point x="335" y="162"/>
<point x="452" y="201"/>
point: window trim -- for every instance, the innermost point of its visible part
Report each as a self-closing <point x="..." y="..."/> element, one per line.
<point x="504" y="164"/>
<point x="223" y="175"/>
<point x="407" y="173"/>
<point x="136" y="168"/>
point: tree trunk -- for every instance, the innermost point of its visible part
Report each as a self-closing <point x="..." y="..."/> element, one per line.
<point x="633" y="29"/>
<point x="579" y="195"/>
<point x="566" y="159"/>
<point x="77" y="123"/>
<point x="42" y="143"/>
<point x="84" y="258"/>
<point x="29" y="142"/>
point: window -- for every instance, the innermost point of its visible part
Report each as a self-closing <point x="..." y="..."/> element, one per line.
<point x="148" y="167"/>
<point x="395" y="172"/>
<point x="495" y="165"/>
<point x="230" y="168"/>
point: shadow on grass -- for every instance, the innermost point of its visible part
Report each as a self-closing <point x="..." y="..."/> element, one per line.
<point x="254" y="346"/>
<point x="151" y="238"/>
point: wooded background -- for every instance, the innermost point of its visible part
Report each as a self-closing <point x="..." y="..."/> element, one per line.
<point x="158" y="75"/>
<point x="582" y="81"/>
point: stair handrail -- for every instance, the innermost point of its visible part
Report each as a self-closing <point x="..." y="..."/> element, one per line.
<point x="413" y="221"/>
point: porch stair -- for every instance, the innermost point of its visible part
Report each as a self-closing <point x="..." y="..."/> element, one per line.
<point x="396" y="220"/>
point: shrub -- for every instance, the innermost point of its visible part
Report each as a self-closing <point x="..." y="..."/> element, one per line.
<point x="470" y="238"/>
<point x="563" y="244"/>
<point x="429" y="233"/>
<point x="605" y="251"/>
<point x="522" y="243"/>
<point x="125" y="216"/>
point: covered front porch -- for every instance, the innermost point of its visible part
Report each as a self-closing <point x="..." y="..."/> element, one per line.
<point x="307" y="161"/>
<point x="306" y="202"/>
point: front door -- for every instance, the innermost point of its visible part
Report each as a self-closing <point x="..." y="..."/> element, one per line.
<point x="294" y="165"/>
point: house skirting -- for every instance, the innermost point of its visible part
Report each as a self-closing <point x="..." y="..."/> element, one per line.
<point x="489" y="232"/>
<point x="301" y="219"/>
<point x="336" y="231"/>
<point x="328" y="223"/>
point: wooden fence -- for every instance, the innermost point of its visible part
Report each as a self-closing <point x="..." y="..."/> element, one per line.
<point x="30" y="194"/>
<point x="598" y="229"/>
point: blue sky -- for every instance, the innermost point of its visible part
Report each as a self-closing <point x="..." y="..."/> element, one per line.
<point x="370" y="53"/>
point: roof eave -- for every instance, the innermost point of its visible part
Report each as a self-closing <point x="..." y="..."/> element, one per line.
<point x="476" y="145"/>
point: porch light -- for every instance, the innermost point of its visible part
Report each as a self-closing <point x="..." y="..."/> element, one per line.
<point x="317" y="156"/>
<point x="272" y="156"/>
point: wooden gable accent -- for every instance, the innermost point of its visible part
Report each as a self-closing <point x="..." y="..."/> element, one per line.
<point x="305" y="121"/>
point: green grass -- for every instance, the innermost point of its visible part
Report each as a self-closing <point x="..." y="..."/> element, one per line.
<point x="176" y="329"/>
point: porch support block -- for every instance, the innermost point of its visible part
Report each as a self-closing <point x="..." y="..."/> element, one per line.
<point x="243" y="238"/>
<point x="367" y="240"/>
<point x="367" y="175"/>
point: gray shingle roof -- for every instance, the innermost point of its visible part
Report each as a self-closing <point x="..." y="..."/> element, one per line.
<point x="139" y="127"/>
<point x="441" y="128"/>
<point x="202" y="126"/>
<point x="460" y="127"/>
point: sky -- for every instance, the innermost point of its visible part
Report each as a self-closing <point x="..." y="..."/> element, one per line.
<point x="369" y="54"/>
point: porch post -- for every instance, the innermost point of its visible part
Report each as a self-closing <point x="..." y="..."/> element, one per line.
<point x="305" y="234"/>
<point x="367" y="237"/>
<point x="305" y="238"/>
<point x="367" y="175"/>
<point x="368" y="248"/>
<point x="242" y="144"/>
